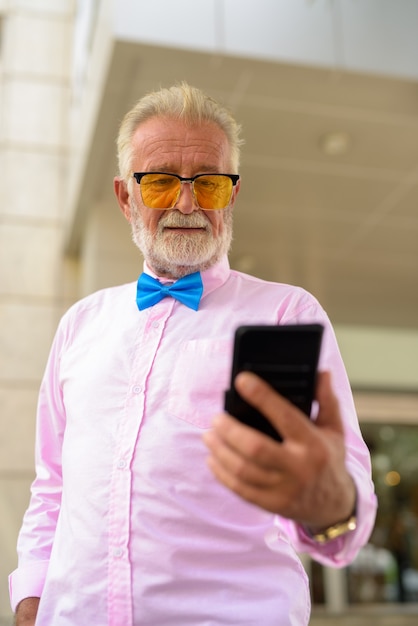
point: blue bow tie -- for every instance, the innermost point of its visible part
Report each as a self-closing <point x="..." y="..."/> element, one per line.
<point x="187" y="290"/>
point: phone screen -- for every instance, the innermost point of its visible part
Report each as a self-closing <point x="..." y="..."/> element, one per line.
<point x="286" y="357"/>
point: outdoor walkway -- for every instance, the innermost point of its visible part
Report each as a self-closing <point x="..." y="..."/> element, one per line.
<point x="381" y="615"/>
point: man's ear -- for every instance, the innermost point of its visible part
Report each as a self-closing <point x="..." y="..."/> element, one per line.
<point x="122" y="194"/>
<point x="235" y="191"/>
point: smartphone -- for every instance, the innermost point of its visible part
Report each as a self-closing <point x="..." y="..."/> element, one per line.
<point x="286" y="357"/>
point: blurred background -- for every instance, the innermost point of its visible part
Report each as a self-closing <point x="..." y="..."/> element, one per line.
<point x="327" y="94"/>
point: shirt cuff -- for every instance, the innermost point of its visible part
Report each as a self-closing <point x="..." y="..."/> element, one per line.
<point x="341" y="551"/>
<point x="27" y="581"/>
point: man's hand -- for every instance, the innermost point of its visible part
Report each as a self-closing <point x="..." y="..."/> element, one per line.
<point x="304" y="477"/>
<point x="26" y="612"/>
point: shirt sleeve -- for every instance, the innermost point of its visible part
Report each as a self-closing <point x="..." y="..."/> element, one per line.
<point x="27" y="582"/>
<point x="39" y="523"/>
<point x="342" y="550"/>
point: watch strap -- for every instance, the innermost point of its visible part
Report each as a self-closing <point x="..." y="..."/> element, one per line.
<point x="336" y="530"/>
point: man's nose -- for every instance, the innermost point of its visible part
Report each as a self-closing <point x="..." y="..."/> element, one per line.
<point x="186" y="202"/>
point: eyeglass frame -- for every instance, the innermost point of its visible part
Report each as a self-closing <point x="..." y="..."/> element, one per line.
<point x="234" y="178"/>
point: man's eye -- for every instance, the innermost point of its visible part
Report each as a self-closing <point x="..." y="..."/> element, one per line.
<point x="162" y="182"/>
<point x="206" y="183"/>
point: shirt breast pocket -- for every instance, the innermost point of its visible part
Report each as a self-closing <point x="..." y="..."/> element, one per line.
<point x="199" y="380"/>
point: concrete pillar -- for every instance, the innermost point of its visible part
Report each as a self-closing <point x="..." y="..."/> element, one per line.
<point x="335" y="584"/>
<point x="35" y="54"/>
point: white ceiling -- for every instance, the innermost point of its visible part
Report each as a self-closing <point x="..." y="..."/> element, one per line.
<point x="344" y="227"/>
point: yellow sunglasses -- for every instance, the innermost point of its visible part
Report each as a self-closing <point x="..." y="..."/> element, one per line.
<point x="211" y="192"/>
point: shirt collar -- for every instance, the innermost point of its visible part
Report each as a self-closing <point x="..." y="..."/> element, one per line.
<point x="212" y="278"/>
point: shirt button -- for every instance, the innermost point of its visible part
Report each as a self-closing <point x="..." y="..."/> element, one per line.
<point x="117" y="552"/>
<point x="155" y="324"/>
<point x="137" y="389"/>
<point x="121" y="464"/>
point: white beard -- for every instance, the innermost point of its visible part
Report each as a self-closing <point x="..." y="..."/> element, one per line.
<point x="178" y="254"/>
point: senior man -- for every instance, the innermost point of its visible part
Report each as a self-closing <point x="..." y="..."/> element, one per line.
<point x="150" y="504"/>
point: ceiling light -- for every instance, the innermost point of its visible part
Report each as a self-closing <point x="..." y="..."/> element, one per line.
<point x="335" y="143"/>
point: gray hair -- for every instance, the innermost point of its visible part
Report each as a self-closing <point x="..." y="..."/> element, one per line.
<point x="182" y="102"/>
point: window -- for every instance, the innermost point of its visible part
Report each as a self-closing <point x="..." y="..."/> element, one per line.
<point x="386" y="570"/>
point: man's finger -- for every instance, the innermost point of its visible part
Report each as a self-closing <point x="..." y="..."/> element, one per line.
<point x="247" y="442"/>
<point x="284" y="416"/>
<point x="244" y="469"/>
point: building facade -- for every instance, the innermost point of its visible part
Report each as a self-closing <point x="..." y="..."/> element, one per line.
<point x="327" y="93"/>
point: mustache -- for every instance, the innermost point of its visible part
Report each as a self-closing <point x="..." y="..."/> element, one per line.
<point x="175" y="219"/>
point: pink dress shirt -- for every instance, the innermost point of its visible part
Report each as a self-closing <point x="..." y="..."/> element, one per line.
<point x="126" y="525"/>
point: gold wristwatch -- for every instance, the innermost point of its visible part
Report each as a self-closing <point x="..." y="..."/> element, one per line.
<point x="337" y="530"/>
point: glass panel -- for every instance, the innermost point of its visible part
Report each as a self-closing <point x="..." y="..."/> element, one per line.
<point x="386" y="570"/>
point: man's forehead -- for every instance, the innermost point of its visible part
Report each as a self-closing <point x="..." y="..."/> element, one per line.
<point x="165" y="138"/>
<point x="166" y="129"/>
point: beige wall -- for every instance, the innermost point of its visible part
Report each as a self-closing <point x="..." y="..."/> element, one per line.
<point x="34" y="98"/>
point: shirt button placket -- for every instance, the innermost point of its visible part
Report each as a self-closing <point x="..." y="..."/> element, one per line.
<point x="120" y="577"/>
